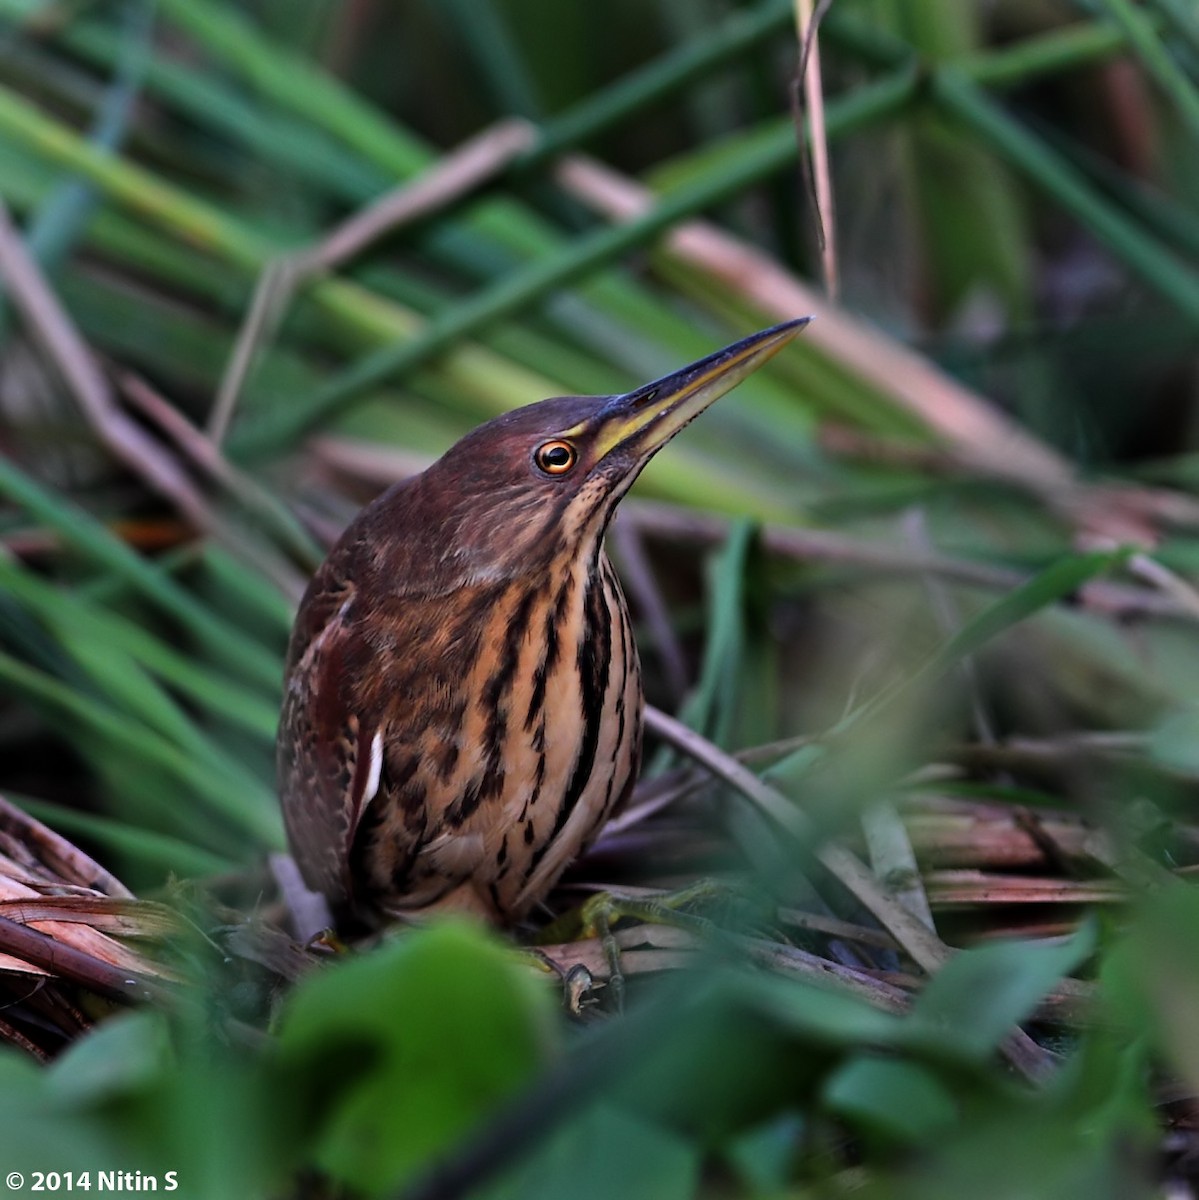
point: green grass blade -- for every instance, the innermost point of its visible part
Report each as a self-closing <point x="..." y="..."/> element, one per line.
<point x="709" y="708"/>
<point x="227" y="644"/>
<point x="1147" y="43"/>
<point x="741" y="31"/>
<point x="158" y="850"/>
<point x="297" y="84"/>
<point x="1053" y="584"/>
<point x="490" y="44"/>
<point x="1182" y="19"/>
<point x="253" y="812"/>
<point x="761" y="158"/>
<point x="1144" y="254"/>
<point x="220" y="697"/>
<point x="64" y="216"/>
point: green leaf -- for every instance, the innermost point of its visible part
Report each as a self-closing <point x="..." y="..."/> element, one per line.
<point x="403" y="1050"/>
<point x="971" y="225"/>
<point x="1065" y="576"/>
<point x="1030" y="1155"/>
<point x="606" y="1153"/>
<point x="980" y="995"/>
<point x="764" y="1156"/>
<point x="899" y="1100"/>
<point x="1151" y="980"/>
<point x="1175" y="741"/>
<point x="1162" y="270"/>
<point x="816" y="1015"/>
<point x="126" y="1054"/>
<point x="707" y="709"/>
<point x="36" y="1134"/>
<point x="1144" y="39"/>
<point x="1056" y="582"/>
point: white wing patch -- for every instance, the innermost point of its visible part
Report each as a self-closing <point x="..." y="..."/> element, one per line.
<point x="376" y="770"/>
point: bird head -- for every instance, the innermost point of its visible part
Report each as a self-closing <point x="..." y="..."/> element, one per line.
<point x="545" y="478"/>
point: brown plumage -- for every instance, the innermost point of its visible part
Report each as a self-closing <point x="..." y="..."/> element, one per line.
<point x="463" y="700"/>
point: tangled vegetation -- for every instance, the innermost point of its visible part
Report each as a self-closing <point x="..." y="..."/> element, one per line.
<point x="902" y="900"/>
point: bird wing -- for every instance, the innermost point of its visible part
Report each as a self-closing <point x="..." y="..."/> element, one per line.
<point x="329" y="752"/>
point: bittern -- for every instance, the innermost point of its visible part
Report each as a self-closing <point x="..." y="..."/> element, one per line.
<point x="463" y="705"/>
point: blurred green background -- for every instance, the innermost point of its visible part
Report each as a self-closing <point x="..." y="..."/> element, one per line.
<point x="931" y="573"/>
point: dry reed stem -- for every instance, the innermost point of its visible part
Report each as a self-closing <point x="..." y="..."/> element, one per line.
<point x="814" y="146"/>
<point x="456" y="174"/>
<point x="917" y="940"/>
<point x="52" y="328"/>
<point x="985" y="439"/>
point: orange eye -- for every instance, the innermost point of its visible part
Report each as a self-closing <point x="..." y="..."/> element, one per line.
<point x="555" y="458"/>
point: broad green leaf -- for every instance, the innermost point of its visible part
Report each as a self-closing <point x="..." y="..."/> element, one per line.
<point x="126" y="1054"/>
<point x="39" y="1133"/>
<point x="1175" y="741"/>
<point x="1027" y="1154"/>
<point x="403" y="1050"/>
<point x="1151" y="980"/>
<point x="765" y="1156"/>
<point x="981" y="994"/>
<point x="901" y="1101"/>
<point x="605" y="1153"/>
<point x="816" y="1015"/>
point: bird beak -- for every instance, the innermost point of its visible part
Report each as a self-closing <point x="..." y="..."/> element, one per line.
<point x="642" y="421"/>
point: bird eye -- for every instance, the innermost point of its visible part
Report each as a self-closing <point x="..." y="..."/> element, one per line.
<point x="555" y="458"/>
